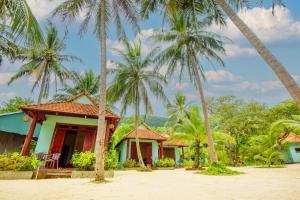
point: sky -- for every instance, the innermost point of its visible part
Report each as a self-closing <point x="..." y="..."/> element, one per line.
<point x="245" y="74"/>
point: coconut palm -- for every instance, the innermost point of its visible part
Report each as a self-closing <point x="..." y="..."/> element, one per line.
<point x="44" y="62"/>
<point x="16" y="23"/>
<point x="133" y="81"/>
<point x="86" y="82"/>
<point x="185" y="44"/>
<point x="179" y="110"/>
<point x="103" y="12"/>
<point x="195" y="8"/>
<point x="191" y="129"/>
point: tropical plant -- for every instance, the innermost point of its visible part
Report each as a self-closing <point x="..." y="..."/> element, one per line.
<point x="132" y="82"/>
<point x="13" y="104"/>
<point x="292" y="124"/>
<point x="216" y="169"/>
<point x="185" y="44"/>
<point x="165" y="162"/>
<point x="16" y="162"/>
<point x="191" y="129"/>
<point x="103" y="12"/>
<point x="86" y="82"/>
<point x="45" y="61"/>
<point x="178" y="110"/>
<point x="130" y="164"/>
<point x="83" y="161"/>
<point x="269" y="157"/>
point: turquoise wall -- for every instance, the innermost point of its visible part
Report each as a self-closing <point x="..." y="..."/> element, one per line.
<point x="48" y="127"/>
<point x="177" y="155"/>
<point x="293" y="154"/>
<point x="13" y="123"/>
<point x="123" y="148"/>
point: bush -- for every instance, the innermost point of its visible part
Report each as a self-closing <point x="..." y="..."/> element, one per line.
<point x="188" y="163"/>
<point x="165" y="162"/>
<point x="130" y="164"/>
<point x="111" y="160"/>
<point x="83" y="161"/>
<point x="16" y="162"/>
<point x="144" y="169"/>
<point x="216" y="169"/>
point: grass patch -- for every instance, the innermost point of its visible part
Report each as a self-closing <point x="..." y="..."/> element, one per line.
<point x="144" y="169"/>
<point x="100" y="182"/>
<point x="272" y="166"/>
<point x="219" y="170"/>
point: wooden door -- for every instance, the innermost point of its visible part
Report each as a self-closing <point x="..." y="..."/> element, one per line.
<point x="57" y="141"/>
<point x="133" y="151"/>
<point x="149" y="154"/>
<point x="89" y="141"/>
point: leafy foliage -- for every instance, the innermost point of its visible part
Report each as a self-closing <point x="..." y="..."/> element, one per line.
<point x="165" y="162"/>
<point x="83" y="161"/>
<point x="220" y="170"/>
<point x="13" y="104"/>
<point x="130" y="164"/>
<point x="16" y="162"/>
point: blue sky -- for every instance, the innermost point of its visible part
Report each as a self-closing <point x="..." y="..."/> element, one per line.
<point x="246" y="75"/>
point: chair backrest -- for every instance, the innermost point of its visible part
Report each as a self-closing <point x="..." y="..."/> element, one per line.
<point x="55" y="156"/>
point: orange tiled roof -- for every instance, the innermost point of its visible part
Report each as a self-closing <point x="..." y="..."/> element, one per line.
<point x="174" y="143"/>
<point x="69" y="107"/>
<point x="144" y="134"/>
<point x="291" y="138"/>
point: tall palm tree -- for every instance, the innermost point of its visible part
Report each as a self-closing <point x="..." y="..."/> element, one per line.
<point x="283" y="75"/>
<point x="191" y="129"/>
<point x="133" y="81"/>
<point x="103" y="12"/>
<point x="211" y="7"/>
<point x="45" y="61"/>
<point x="86" y="82"/>
<point x="185" y="44"/>
<point x="179" y="110"/>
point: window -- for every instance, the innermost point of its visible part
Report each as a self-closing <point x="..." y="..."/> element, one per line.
<point x="297" y="149"/>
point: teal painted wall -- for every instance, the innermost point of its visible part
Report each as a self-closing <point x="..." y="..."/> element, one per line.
<point x="122" y="150"/>
<point x="48" y="127"/>
<point x="293" y="154"/>
<point x="13" y="123"/>
<point x="177" y="155"/>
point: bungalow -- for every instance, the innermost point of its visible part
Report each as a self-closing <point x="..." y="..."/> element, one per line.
<point x="13" y="130"/>
<point x="292" y="153"/>
<point x="67" y="126"/>
<point x="153" y="146"/>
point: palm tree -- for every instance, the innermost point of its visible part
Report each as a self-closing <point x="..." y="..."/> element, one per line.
<point x="210" y="7"/>
<point x="86" y="82"/>
<point x="103" y="12"/>
<point x="179" y="110"/>
<point x="185" y="44"/>
<point x="17" y="23"/>
<point x="133" y="81"/>
<point x="191" y="129"/>
<point x="45" y="61"/>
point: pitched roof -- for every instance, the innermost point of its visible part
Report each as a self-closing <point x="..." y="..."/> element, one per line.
<point x="291" y="138"/>
<point x="145" y="133"/>
<point x="69" y="107"/>
<point x="174" y="143"/>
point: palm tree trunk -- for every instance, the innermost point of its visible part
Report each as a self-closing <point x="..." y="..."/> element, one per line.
<point x="137" y="142"/>
<point x="212" y="151"/>
<point x="99" y="146"/>
<point x="283" y="75"/>
<point x="197" y="154"/>
<point x="42" y="88"/>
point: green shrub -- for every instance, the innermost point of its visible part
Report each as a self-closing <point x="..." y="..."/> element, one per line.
<point x="188" y="163"/>
<point x="130" y="164"/>
<point x="83" y="161"/>
<point x="216" y="169"/>
<point x="144" y="169"/>
<point x="165" y="162"/>
<point x="16" y="162"/>
<point x="111" y="160"/>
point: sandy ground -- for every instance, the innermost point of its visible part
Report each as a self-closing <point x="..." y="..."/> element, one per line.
<point x="177" y="184"/>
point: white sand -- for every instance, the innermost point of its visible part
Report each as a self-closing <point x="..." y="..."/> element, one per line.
<point x="264" y="184"/>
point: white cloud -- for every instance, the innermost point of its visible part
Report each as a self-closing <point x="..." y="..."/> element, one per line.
<point x="233" y="50"/>
<point x="7" y="94"/>
<point x="4" y="77"/>
<point x="269" y="28"/>
<point x="43" y="8"/>
<point x="220" y="76"/>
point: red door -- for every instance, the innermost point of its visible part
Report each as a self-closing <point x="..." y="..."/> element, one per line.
<point x="57" y="141"/>
<point x="149" y="154"/>
<point x="133" y="151"/>
<point x="89" y="141"/>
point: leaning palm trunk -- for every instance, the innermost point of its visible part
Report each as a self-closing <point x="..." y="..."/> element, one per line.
<point x="212" y="151"/>
<point x="42" y="89"/>
<point x="286" y="79"/>
<point x="137" y="141"/>
<point x="99" y="168"/>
